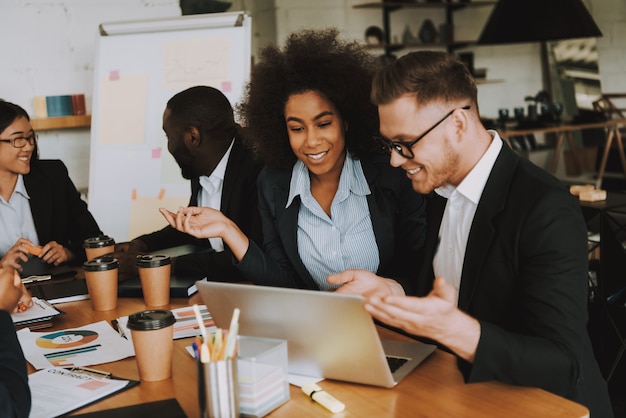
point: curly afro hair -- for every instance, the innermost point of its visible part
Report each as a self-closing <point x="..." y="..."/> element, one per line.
<point x="311" y="60"/>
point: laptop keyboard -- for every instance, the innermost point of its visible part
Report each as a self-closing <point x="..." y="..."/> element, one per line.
<point x="395" y="363"/>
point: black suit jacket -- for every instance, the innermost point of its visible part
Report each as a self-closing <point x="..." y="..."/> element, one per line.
<point x="239" y="203"/>
<point x="58" y="211"/>
<point x="398" y="221"/>
<point x="525" y="279"/>
<point x="14" y="391"/>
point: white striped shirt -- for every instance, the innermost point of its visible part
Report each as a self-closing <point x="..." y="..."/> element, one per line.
<point x="346" y="240"/>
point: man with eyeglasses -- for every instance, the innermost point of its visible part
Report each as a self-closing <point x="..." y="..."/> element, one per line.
<point x="504" y="285"/>
<point x="41" y="212"/>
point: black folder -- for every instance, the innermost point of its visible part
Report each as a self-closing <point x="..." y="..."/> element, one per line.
<point x="168" y="408"/>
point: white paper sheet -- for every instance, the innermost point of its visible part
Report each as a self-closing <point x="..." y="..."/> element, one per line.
<point x="91" y="344"/>
<point x="56" y="391"/>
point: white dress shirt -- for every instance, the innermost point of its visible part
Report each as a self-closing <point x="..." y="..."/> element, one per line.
<point x="459" y="214"/>
<point x="210" y="195"/>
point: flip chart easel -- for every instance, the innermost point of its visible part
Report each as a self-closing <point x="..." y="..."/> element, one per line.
<point x="139" y="66"/>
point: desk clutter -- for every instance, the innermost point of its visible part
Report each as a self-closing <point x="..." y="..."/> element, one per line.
<point x="253" y="369"/>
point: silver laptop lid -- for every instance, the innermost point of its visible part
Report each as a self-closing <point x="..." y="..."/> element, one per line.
<point x="328" y="334"/>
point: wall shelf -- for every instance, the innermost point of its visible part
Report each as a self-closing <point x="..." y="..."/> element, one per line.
<point x="447" y="5"/>
<point x="61" y="122"/>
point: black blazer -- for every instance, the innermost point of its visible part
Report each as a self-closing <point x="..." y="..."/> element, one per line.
<point x="398" y="220"/>
<point x="525" y="279"/>
<point x="58" y="211"/>
<point x="15" y="398"/>
<point x="239" y="203"/>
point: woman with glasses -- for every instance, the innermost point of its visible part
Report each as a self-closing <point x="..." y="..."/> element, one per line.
<point x="329" y="200"/>
<point x="41" y="211"/>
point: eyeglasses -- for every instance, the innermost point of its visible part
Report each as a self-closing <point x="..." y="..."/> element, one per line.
<point x="405" y="148"/>
<point x="21" y="141"/>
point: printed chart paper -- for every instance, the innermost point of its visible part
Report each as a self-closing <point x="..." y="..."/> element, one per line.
<point x="95" y="343"/>
<point x="186" y="325"/>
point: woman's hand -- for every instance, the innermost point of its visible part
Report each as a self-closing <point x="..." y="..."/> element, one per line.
<point x="17" y="254"/>
<point x="55" y="253"/>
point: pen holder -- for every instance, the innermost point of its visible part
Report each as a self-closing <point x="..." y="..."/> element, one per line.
<point x="218" y="390"/>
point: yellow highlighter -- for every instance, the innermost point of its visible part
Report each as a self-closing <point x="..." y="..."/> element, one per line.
<point x="323" y="398"/>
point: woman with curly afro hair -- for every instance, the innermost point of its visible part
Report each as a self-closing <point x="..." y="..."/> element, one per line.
<point x="329" y="200"/>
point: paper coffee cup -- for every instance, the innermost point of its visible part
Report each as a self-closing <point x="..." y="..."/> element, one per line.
<point x="97" y="246"/>
<point x="154" y="273"/>
<point x="152" y="332"/>
<point x="101" y="277"/>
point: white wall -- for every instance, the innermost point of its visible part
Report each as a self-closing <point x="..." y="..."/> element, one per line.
<point x="48" y="49"/>
<point x="610" y="15"/>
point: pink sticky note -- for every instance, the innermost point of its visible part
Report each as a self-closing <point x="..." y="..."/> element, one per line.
<point x="226" y="86"/>
<point x="114" y="75"/>
<point x="156" y="153"/>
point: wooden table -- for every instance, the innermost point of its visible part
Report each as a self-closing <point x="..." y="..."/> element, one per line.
<point x="435" y="388"/>
<point x="611" y="127"/>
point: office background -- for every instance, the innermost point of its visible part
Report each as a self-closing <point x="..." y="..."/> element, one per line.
<point x="49" y="49"/>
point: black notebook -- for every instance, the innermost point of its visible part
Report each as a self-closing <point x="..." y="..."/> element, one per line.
<point x="180" y="287"/>
<point x="55" y="284"/>
<point x="59" y="290"/>
<point x="36" y="268"/>
<point x="169" y="408"/>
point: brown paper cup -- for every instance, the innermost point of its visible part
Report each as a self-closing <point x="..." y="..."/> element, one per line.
<point x="153" y="344"/>
<point x="97" y="246"/>
<point x="101" y="277"/>
<point x="92" y="253"/>
<point x="154" y="273"/>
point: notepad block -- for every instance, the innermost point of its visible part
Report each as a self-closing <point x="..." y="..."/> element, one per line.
<point x="594" y="195"/>
<point x="262" y="372"/>
<point x="576" y="189"/>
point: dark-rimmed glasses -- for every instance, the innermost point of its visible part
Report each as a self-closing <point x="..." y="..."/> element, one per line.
<point x="405" y="148"/>
<point x="20" y="142"/>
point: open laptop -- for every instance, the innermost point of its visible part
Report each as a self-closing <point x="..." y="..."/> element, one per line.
<point x="328" y="334"/>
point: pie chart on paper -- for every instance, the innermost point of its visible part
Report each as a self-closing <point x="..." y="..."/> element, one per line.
<point x="66" y="339"/>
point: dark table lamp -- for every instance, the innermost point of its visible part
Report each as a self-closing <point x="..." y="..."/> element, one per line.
<point x="516" y="21"/>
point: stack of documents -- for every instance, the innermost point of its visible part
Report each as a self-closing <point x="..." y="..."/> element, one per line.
<point x="39" y="316"/>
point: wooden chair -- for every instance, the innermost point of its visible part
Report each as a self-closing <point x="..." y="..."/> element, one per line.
<point x="610" y="105"/>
